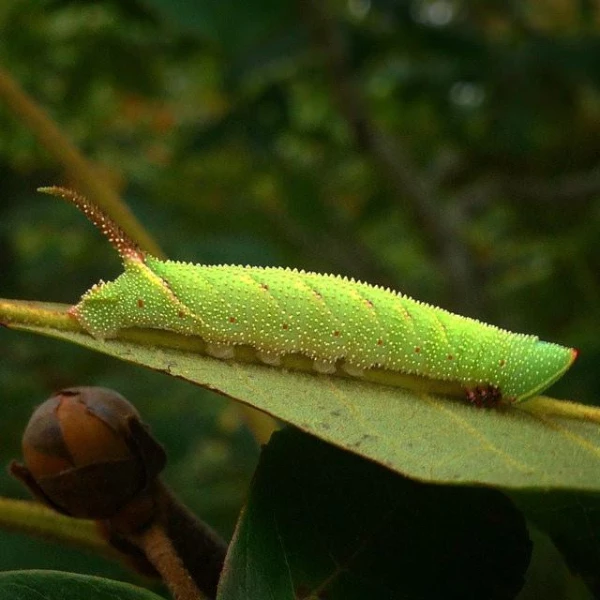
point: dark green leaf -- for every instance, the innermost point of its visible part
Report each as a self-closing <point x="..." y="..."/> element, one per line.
<point x="323" y="523"/>
<point x="572" y="521"/>
<point x="54" y="585"/>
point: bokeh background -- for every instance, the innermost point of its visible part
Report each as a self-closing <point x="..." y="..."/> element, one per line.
<point x="449" y="149"/>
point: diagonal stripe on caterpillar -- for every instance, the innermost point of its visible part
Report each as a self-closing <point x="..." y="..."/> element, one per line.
<point x="317" y="323"/>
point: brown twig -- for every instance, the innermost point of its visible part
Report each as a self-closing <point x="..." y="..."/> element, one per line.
<point x="87" y="454"/>
<point x="186" y="552"/>
<point x="159" y="550"/>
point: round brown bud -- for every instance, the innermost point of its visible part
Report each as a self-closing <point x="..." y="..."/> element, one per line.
<point x="87" y="453"/>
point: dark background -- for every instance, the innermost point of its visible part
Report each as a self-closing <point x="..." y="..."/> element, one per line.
<point x="448" y="149"/>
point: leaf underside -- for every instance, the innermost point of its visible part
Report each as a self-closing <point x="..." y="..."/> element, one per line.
<point x="423" y="436"/>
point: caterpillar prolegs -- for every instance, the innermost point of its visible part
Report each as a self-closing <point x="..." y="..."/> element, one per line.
<point x="322" y="323"/>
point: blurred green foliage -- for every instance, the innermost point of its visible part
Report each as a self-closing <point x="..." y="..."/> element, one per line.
<point x="446" y="148"/>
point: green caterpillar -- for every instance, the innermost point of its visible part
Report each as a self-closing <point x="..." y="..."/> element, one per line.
<point x="320" y="323"/>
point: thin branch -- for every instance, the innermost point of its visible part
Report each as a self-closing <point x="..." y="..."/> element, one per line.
<point x="76" y="165"/>
<point x="571" y="187"/>
<point x="412" y="191"/>
<point x="158" y="548"/>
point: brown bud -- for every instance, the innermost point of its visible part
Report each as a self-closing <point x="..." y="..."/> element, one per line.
<point x="87" y="454"/>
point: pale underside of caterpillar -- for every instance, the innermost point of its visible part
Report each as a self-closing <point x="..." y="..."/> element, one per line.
<point x="321" y="323"/>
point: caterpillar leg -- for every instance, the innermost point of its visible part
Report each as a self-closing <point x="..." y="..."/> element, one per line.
<point x="488" y="396"/>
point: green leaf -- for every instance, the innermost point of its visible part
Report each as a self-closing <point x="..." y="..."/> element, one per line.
<point x="54" y="585"/>
<point x="538" y="444"/>
<point x="548" y="576"/>
<point x="320" y="523"/>
<point x="572" y="520"/>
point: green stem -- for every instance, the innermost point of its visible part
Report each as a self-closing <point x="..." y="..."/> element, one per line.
<point x="77" y="166"/>
<point x="21" y="314"/>
<point x="543" y="406"/>
<point x="32" y="518"/>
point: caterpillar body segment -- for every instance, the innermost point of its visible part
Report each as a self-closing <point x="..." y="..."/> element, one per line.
<point x="320" y="323"/>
